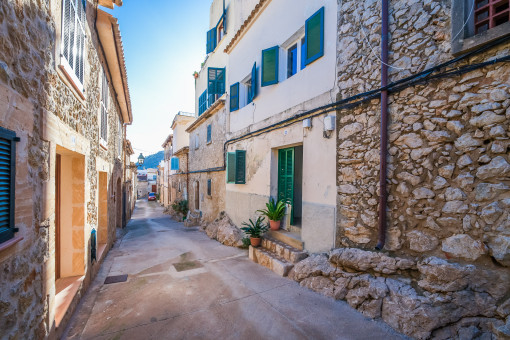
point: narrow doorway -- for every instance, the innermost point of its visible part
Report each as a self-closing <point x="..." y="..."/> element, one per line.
<point x="118" y="197"/>
<point x="290" y="181"/>
<point x="197" y="195"/>
<point x="102" y="225"/>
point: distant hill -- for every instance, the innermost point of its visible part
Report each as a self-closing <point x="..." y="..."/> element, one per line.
<point x="152" y="161"/>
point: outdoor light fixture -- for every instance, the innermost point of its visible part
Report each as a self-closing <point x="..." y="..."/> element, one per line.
<point x="140" y="159"/>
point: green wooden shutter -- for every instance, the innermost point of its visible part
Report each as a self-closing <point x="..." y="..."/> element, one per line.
<point x="254" y="82"/>
<point x="314" y="36"/>
<point x="215" y="81"/>
<point x="211" y="40"/>
<point x="8" y="141"/>
<point x="286" y="176"/>
<point x="231" y="167"/>
<point x="240" y="167"/>
<point x="234" y="97"/>
<point x="202" y="103"/>
<point x="270" y="66"/>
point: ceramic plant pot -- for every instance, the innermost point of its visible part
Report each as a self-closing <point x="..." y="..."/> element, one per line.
<point x="255" y="241"/>
<point x="274" y="225"/>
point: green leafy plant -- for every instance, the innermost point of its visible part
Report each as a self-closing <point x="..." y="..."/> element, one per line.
<point x="246" y="242"/>
<point x="181" y="206"/>
<point x="274" y="210"/>
<point x="255" y="229"/>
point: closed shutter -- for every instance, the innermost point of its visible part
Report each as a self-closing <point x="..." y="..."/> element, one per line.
<point x="174" y="163"/>
<point x="231" y="167"/>
<point x="209" y="133"/>
<point x="211" y="40"/>
<point x="270" y="66"/>
<point x="314" y="36"/>
<point x="254" y="82"/>
<point x="286" y="175"/>
<point x="7" y="182"/>
<point x="234" y="97"/>
<point x="240" y="167"/>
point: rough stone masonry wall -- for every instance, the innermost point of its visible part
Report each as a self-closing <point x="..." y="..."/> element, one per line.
<point x="28" y="73"/>
<point x="448" y="181"/>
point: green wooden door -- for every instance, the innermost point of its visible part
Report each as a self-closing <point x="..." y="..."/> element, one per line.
<point x="286" y="177"/>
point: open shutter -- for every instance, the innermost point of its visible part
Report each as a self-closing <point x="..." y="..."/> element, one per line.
<point x="215" y="84"/>
<point x="314" y="37"/>
<point x="231" y="167"/>
<point x="211" y="40"/>
<point x="286" y="175"/>
<point x="234" y="97"/>
<point x="202" y="103"/>
<point x="240" y="167"/>
<point x="270" y="66"/>
<point x="7" y="181"/>
<point x="209" y="133"/>
<point x="254" y="82"/>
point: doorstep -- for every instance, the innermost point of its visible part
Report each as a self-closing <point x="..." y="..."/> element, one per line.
<point x="66" y="289"/>
<point x="291" y="238"/>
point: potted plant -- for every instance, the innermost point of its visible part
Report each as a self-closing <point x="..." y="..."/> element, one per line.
<point x="255" y="230"/>
<point x="274" y="212"/>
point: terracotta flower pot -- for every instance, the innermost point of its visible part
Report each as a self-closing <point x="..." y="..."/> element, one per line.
<point x="255" y="241"/>
<point x="274" y="225"/>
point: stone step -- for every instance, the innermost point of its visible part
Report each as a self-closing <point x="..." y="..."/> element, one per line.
<point x="270" y="260"/>
<point x="283" y="250"/>
<point x="287" y="237"/>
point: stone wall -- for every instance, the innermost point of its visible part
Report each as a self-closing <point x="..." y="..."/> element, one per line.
<point x="448" y="173"/>
<point x="39" y="104"/>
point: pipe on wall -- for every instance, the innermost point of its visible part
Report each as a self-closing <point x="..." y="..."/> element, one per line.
<point x="383" y="195"/>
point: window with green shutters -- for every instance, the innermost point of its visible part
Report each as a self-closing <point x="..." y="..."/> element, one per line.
<point x="236" y="167"/>
<point x="314" y="37"/>
<point x="209" y="133"/>
<point x="270" y="66"/>
<point x="211" y="40"/>
<point x="8" y="141"/>
<point x="174" y="163"/>
<point x="202" y="103"/>
<point x="215" y="84"/>
<point x="254" y="83"/>
<point x="234" y="97"/>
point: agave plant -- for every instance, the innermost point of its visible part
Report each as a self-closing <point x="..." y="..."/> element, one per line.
<point x="274" y="210"/>
<point x="255" y="229"/>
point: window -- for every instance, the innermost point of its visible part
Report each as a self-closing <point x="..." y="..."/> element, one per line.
<point x="209" y="133"/>
<point x="314" y="37"/>
<point x="104" y="110"/>
<point x="73" y="40"/>
<point x="490" y="13"/>
<point x="209" y="187"/>
<point x="202" y="103"/>
<point x="478" y="22"/>
<point x="236" y="167"/>
<point x="8" y="141"/>
<point x="220" y="30"/>
<point x="197" y="144"/>
<point x="154" y="177"/>
<point x="215" y="34"/>
<point x="270" y="66"/>
<point x="174" y="163"/>
<point x="292" y="60"/>
<point x="215" y="84"/>
<point x="247" y="90"/>
<point x="234" y="97"/>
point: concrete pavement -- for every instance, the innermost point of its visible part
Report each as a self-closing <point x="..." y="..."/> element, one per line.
<point x="183" y="285"/>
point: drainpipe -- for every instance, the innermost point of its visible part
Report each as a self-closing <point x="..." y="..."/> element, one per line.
<point x="384" y="126"/>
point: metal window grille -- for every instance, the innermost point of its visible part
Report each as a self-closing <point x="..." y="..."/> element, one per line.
<point x="490" y="13"/>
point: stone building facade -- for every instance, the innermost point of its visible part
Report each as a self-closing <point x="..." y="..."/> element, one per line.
<point x="166" y="193"/>
<point x="206" y="163"/>
<point x="66" y="98"/>
<point x="444" y="270"/>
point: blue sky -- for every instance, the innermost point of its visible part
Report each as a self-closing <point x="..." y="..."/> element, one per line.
<point x="164" y="43"/>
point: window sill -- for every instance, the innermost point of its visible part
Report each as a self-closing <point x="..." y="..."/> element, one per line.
<point x="10" y="243"/>
<point x="69" y="77"/>
<point x="460" y="46"/>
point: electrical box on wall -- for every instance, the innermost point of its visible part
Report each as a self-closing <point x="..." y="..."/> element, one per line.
<point x="307" y="123"/>
<point x="329" y="123"/>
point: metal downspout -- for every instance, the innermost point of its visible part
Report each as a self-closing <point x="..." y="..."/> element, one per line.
<point x="384" y="126"/>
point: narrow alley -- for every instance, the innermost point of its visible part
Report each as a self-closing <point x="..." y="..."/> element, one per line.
<point x="183" y="285"/>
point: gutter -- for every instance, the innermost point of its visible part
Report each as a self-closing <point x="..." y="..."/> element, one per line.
<point x="383" y="195"/>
